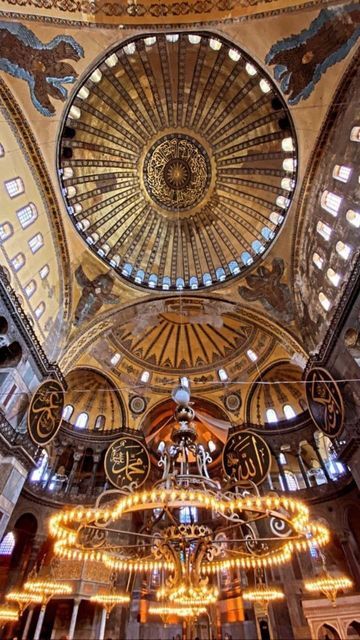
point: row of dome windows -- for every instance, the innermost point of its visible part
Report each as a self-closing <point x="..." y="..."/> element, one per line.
<point x="82" y="419"/>
<point x="26" y="216"/>
<point x="332" y="203"/>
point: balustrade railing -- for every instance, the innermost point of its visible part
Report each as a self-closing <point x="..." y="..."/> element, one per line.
<point x="17" y="439"/>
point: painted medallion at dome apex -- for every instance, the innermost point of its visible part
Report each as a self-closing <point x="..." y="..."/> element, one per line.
<point x="177" y="160"/>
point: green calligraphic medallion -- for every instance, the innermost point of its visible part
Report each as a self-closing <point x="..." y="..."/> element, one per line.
<point x="45" y="412"/>
<point x="246" y="458"/>
<point x="325" y="402"/>
<point x="127" y="463"/>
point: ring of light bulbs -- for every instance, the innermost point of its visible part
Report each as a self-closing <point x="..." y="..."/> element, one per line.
<point x="66" y="525"/>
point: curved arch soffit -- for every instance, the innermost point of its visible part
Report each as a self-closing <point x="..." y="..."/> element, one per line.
<point x="101" y="325"/>
<point x="31" y="151"/>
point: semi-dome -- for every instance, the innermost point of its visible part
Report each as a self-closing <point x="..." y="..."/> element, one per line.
<point x="177" y="160"/>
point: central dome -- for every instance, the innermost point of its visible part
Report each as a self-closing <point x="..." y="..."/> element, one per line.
<point x="177" y="160"/>
<point x="177" y="172"/>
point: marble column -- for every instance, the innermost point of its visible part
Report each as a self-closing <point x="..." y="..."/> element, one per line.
<point x="77" y="457"/>
<point x="302" y="469"/>
<point x="74" y="615"/>
<point x="27" y="623"/>
<point x="321" y="461"/>
<point x="52" y="468"/>
<point x="40" y="622"/>
<point x="102" y="624"/>
<point x="281" y="471"/>
<point x="96" y="459"/>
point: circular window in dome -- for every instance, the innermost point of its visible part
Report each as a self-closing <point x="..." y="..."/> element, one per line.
<point x="177" y="161"/>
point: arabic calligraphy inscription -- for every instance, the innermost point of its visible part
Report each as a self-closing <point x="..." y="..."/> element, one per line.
<point x="246" y="457"/>
<point x="45" y="411"/>
<point x="325" y="402"/>
<point x="127" y="463"/>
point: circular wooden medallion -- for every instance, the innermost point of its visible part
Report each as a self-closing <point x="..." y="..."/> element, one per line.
<point x="325" y="401"/>
<point x="45" y="412"/>
<point x="127" y="463"/>
<point x="246" y="457"/>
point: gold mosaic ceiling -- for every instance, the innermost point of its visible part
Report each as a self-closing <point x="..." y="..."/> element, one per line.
<point x="177" y="160"/>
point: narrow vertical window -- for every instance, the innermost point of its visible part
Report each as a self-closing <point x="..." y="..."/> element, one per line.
<point x="318" y="260"/>
<point x="324" y="301"/>
<point x="44" y="272"/>
<point x="324" y="230"/>
<point x="82" y="420"/>
<point x="6" y="231"/>
<point x="30" y="288"/>
<point x="271" y="415"/>
<point x="40" y="310"/>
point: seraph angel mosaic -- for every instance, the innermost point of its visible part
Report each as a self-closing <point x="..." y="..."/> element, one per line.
<point x="302" y="59"/>
<point x="41" y="65"/>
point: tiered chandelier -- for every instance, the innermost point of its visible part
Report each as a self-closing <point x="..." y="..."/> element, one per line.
<point x="226" y="527"/>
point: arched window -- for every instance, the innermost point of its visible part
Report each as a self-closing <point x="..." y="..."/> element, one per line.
<point x="246" y="258"/>
<point x="318" y="260"/>
<point x="18" y="261"/>
<point x="289" y="165"/>
<point x="14" y="187"/>
<point x="287" y="184"/>
<point x="67" y="412"/>
<point x="251" y="355"/>
<point x="44" y="271"/>
<point x="40" y="310"/>
<point x="30" y="288"/>
<point x="324" y="301"/>
<point x="7" y="544"/>
<point x="145" y="376"/>
<point x="291" y="480"/>
<point x="6" y="231"/>
<point x="331" y="202"/>
<point x="166" y="283"/>
<point x="276" y="218"/>
<point x="36" y="242"/>
<point x="271" y="415"/>
<point x="220" y="274"/>
<point x="266" y="233"/>
<point x="289" y="412"/>
<point x="115" y="359"/>
<point x="257" y="246"/>
<point x="127" y="269"/>
<point x="324" y="230"/>
<point x="207" y="279"/>
<point x="355" y="134"/>
<point x="287" y="144"/>
<point x="82" y="420"/>
<point x="194" y="283"/>
<point x="353" y="217"/>
<point x="341" y="173"/>
<point x="2" y="151"/>
<point x="282" y="458"/>
<point x="180" y="284"/>
<point x="282" y="202"/>
<point x="333" y="277"/>
<point x="27" y="215"/>
<point x="99" y="423"/>
<point x="139" y="276"/>
<point x="234" y="267"/>
<point x="223" y="376"/>
<point x="152" y="282"/>
<point x="343" y="250"/>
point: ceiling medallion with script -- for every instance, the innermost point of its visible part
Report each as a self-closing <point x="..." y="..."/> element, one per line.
<point x="177" y="172"/>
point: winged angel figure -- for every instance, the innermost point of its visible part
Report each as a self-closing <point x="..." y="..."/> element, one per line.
<point x="95" y="293"/>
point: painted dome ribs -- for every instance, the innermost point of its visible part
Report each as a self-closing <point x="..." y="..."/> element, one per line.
<point x="172" y="160"/>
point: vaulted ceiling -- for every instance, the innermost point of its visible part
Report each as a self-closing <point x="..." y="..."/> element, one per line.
<point x="178" y="178"/>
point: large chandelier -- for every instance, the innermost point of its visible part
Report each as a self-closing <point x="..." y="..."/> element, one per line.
<point x="193" y="527"/>
<point x="329" y="585"/>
